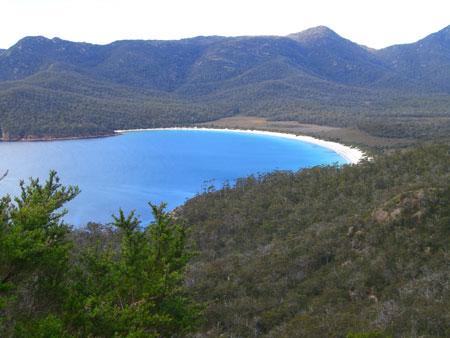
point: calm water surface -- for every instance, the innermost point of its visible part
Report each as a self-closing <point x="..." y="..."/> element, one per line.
<point x="130" y="170"/>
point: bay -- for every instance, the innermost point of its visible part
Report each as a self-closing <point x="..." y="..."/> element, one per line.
<point x="129" y="170"/>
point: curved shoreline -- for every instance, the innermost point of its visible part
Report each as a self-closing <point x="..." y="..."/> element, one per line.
<point x="48" y="138"/>
<point x="351" y="154"/>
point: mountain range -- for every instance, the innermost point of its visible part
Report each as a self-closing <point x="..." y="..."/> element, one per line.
<point x="58" y="88"/>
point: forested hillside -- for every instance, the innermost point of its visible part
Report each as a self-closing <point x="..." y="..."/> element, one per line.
<point x="57" y="88"/>
<point x="323" y="252"/>
<point x="358" y="251"/>
<point x="327" y="251"/>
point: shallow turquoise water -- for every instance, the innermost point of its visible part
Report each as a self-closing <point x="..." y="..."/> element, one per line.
<point x="130" y="170"/>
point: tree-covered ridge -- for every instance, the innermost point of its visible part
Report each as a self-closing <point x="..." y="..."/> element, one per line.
<point x="328" y="251"/>
<point x="57" y="88"/>
<point x="357" y="251"/>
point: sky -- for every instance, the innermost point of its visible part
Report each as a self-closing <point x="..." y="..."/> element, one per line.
<point x="374" y="23"/>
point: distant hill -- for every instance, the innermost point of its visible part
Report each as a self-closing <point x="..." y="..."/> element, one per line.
<point x="340" y="60"/>
<point x="426" y="60"/>
<point x="57" y="88"/>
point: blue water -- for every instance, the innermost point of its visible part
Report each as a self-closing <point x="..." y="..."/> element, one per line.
<point x="130" y="170"/>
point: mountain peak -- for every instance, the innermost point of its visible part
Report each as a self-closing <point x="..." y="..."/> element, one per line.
<point x="315" y="33"/>
<point x="30" y="43"/>
<point x="32" y="40"/>
<point x="42" y="42"/>
<point x="319" y="30"/>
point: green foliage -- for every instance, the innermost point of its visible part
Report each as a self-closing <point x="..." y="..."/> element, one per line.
<point x="34" y="252"/>
<point x="327" y="251"/>
<point x="48" y="288"/>
<point x="49" y="326"/>
<point x="137" y="292"/>
<point x="371" y="334"/>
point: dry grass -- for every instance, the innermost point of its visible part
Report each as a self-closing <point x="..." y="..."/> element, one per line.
<point x="351" y="135"/>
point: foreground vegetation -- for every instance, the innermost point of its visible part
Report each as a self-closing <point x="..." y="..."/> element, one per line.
<point x="358" y="251"/>
<point x="131" y="287"/>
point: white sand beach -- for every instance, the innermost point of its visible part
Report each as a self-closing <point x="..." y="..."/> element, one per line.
<point x="351" y="154"/>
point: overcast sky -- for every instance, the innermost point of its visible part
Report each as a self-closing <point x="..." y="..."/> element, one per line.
<point x="374" y="23"/>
